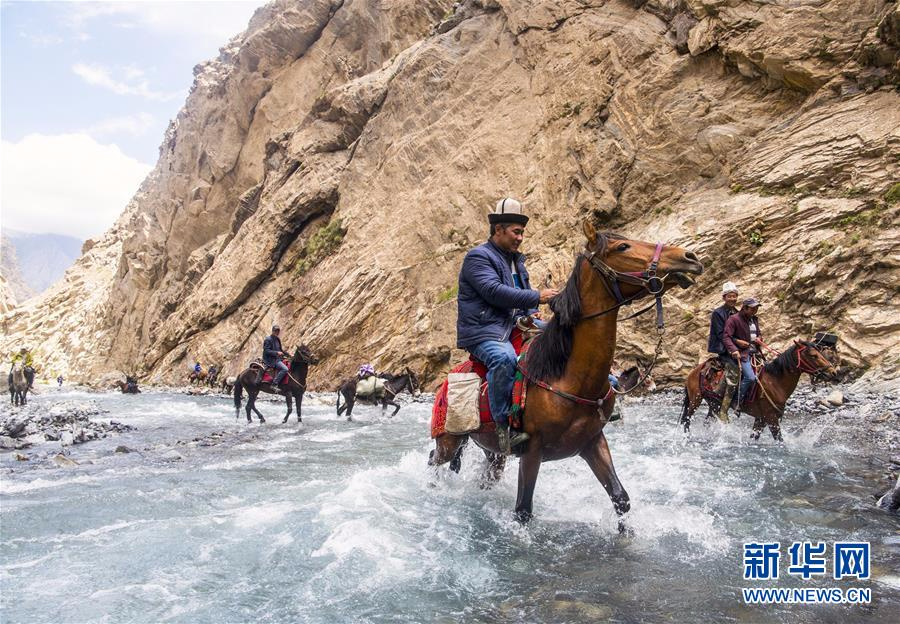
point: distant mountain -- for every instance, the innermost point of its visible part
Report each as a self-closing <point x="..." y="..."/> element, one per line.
<point x="31" y="263"/>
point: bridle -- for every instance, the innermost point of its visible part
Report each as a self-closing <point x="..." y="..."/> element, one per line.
<point x="814" y="372"/>
<point x="650" y="284"/>
<point x="647" y="279"/>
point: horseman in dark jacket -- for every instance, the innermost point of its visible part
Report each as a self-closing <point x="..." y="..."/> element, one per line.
<point x="273" y="354"/>
<point x="494" y="291"/>
<point x="716" y="345"/>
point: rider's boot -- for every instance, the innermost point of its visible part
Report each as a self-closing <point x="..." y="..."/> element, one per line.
<point x="518" y="438"/>
<point x="507" y="441"/>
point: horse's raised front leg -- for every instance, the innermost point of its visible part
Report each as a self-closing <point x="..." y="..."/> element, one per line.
<point x="598" y="457"/>
<point x="389" y="400"/>
<point x="287" y="397"/>
<point x="529" y="466"/>
<point x="447" y="448"/>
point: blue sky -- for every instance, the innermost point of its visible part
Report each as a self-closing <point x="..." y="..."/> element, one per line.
<point x="86" y="92"/>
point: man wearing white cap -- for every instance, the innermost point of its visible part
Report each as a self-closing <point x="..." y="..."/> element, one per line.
<point x="716" y="345"/>
<point x="493" y="292"/>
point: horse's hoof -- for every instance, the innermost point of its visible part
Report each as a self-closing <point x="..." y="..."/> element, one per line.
<point x="262" y="420"/>
<point x="523" y="517"/>
<point x="285" y="420"/>
<point x="625" y="530"/>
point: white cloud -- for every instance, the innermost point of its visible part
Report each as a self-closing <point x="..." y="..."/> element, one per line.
<point x="65" y="184"/>
<point x="132" y="84"/>
<point x="215" y="22"/>
<point x="136" y="125"/>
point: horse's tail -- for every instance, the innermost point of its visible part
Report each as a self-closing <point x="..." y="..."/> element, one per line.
<point x="238" y="395"/>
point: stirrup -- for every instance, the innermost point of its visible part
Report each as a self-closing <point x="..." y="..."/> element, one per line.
<point x="517" y="439"/>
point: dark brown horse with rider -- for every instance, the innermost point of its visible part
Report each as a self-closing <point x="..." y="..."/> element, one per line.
<point x="776" y="381"/>
<point x="294" y="385"/>
<point x="567" y="367"/>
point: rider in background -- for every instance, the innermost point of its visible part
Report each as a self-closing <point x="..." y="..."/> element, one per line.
<point x="741" y="333"/>
<point x="273" y="354"/>
<point x="493" y="292"/>
<point x="716" y="345"/>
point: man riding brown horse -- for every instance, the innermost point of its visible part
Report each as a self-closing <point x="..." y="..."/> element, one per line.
<point x="494" y="292"/>
<point x="569" y="399"/>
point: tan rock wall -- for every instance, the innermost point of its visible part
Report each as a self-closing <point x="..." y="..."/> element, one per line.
<point x="697" y="123"/>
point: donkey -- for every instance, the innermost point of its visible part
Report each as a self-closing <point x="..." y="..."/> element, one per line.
<point x="392" y="387"/>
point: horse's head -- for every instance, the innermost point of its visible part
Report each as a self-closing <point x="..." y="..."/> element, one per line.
<point x="304" y="355"/>
<point x="414" y="387"/>
<point x="638" y="266"/>
<point x="812" y="360"/>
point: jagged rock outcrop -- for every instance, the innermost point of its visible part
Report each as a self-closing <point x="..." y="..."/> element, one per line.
<point x="11" y="272"/>
<point x="7" y="297"/>
<point x="330" y="169"/>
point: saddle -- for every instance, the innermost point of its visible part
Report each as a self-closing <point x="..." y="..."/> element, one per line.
<point x="269" y="372"/>
<point x="711" y="376"/>
<point x="473" y="365"/>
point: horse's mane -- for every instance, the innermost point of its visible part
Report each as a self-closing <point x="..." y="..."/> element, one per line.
<point x="784" y="363"/>
<point x="551" y="349"/>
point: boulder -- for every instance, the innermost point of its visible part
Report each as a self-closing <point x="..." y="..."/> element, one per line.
<point x="64" y="462"/>
<point x="836" y="398"/>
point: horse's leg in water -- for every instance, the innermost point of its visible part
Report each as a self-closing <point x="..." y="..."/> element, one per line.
<point x="389" y="400"/>
<point x="529" y="466"/>
<point x="775" y="427"/>
<point x="350" y="401"/>
<point x="298" y="399"/>
<point x="493" y="469"/>
<point x="598" y="457"/>
<point x="447" y="448"/>
<point x="251" y="405"/>
<point x="758" y="425"/>
<point x="287" y="397"/>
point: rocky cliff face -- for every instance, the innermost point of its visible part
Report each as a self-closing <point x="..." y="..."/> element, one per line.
<point x="331" y="168"/>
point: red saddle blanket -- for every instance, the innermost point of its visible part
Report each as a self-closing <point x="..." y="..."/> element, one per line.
<point x="270" y="373"/>
<point x="439" y="411"/>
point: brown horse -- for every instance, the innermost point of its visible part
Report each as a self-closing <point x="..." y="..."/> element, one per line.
<point x="777" y="381"/>
<point x="574" y="354"/>
<point x="294" y="387"/>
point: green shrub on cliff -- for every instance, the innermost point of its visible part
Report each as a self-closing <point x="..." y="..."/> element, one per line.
<point x="320" y="245"/>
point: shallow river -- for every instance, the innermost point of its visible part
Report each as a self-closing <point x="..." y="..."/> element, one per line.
<point x="342" y="522"/>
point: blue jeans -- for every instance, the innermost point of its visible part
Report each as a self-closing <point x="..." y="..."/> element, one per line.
<point x="500" y="359"/>
<point x="748" y="378"/>
<point x="282" y="372"/>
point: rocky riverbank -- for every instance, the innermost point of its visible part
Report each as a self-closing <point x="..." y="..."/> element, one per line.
<point x="67" y="422"/>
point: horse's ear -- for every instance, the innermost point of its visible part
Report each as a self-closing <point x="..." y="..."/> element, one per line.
<point x="589" y="232"/>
